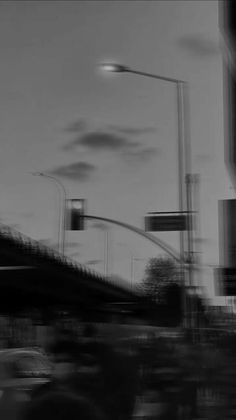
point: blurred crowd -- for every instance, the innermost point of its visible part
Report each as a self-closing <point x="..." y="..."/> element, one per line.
<point x="156" y="377"/>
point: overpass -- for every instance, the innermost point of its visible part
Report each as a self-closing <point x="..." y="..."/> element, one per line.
<point x="35" y="276"/>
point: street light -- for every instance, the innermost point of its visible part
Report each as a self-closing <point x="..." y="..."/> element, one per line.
<point x="115" y="68"/>
<point x="120" y="68"/>
<point x="184" y="152"/>
<point x="62" y="210"/>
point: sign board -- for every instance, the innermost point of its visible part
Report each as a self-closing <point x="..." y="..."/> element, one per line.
<point x="227" y="232"/>
<point x="227" y="278"/>
<point x="165" y="223"/>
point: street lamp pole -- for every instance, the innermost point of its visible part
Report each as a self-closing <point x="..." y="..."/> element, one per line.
<point x="184" y="155"/>
<point x="62" y="210"/>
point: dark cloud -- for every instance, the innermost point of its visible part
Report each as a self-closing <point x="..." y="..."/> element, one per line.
<point x="105" y="141"/>
<point x="101" y="141"/>
<point x="83" y="125"/>
<point x="77" y="126"/>
<point x="133" y="130"/>
<point x="199" y="45"/>
<point x="80" y="171"/>
<point x="142" y="155"/>
<point x="93" y="262"/>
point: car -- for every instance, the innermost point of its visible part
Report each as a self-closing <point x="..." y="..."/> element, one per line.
<point x="21" y="370"/>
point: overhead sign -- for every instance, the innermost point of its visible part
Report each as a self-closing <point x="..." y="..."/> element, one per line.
<point x="165" y="223"/>
<point x="227" y="232"/>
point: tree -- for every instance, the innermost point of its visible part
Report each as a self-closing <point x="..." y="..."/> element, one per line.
<point x="161" y="274"/>
<point x="162" y="284"/>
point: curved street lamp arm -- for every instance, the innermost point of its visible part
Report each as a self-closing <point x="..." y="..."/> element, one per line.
<point x="155" y="76"/>
<point x="57" y="181"/>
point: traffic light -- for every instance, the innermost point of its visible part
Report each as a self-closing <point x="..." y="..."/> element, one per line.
<point x="75" y="213"/>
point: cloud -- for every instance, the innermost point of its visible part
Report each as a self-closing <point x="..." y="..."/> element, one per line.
<point x="77" y="126"/>
<point x="142" y="155"/>
<point x="101" y="141"/>
<point x="83" y="124"/>
<point x="133" y="130"/>
<point x="106" y="141"/>
<point x="80" y="171"/>
<point x="199" y="45"/>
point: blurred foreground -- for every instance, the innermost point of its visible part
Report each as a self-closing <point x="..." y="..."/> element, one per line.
<point x="113" y="371"/>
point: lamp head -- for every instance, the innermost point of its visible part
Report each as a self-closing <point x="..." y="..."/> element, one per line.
<point x="114" y="67"/>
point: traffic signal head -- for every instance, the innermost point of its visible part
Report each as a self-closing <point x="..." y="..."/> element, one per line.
<point x="75" y="213"/>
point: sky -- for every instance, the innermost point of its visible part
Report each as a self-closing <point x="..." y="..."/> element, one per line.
<point x="109" y="138"/>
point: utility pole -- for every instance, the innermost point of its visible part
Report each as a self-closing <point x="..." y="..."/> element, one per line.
<point x="62" y="210"/>
<point x="184" y="165"/>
